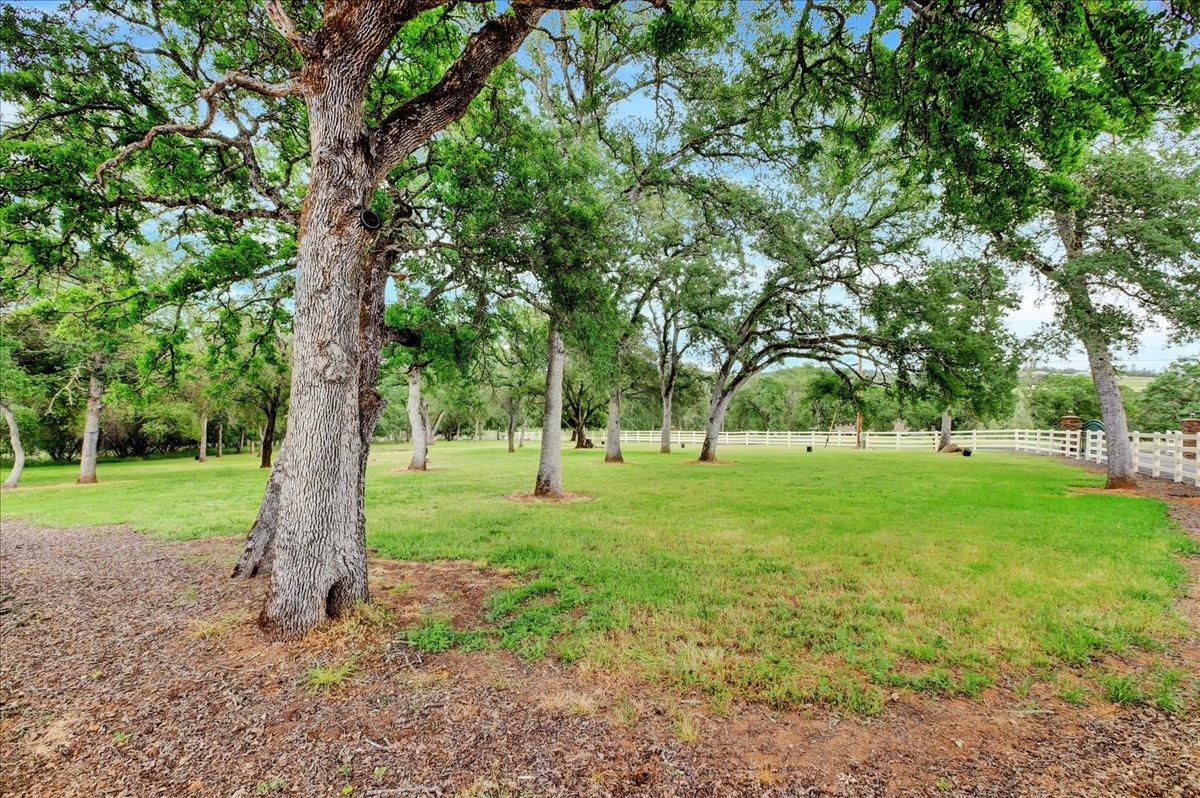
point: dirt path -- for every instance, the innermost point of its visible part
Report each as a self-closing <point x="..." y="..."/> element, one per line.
<point x="133" y="668"/>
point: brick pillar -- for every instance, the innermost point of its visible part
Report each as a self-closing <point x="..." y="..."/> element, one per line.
<point x="1072" y="424"/>
<point x="1190" y="426"/>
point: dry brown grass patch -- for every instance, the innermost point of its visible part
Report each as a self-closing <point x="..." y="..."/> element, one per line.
<point x="526" y="497"/>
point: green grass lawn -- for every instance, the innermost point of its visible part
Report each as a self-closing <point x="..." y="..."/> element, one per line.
<point x="836" y="577"/>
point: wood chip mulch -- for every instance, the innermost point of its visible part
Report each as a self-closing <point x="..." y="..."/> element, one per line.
<point x="130" y="667"/>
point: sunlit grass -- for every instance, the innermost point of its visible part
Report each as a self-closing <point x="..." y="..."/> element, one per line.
<point x="835" y="577"/>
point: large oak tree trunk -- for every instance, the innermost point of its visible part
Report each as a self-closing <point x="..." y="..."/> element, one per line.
<point x="260" y="542"/>
<point x="549" y="478"/>
<point x="91" y="431"/>
<point x="612" y="435"/>
<point x="946" y="432"/>
<point x="716" y="420"/>
<point x="320" y="566"/>
<point x="664" y="442"/>
<point x="417" y="422"/>
<point x="202" y="444"/>
<point x="14" y="438"/>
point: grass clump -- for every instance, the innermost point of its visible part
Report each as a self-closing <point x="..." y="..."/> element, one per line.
<point x="436" y="635"/>
<point x="218" y="626"/>
<point x="570" y="702"/>
<point x="329" y="675"/>
<point x="275" y="784"/>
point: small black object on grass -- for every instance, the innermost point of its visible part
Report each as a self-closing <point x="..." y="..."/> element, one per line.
<point x="808" y="448"/>
<point x="966" y="452"/>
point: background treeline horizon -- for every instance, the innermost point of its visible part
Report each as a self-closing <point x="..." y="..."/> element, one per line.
<point x="141" y="423"/>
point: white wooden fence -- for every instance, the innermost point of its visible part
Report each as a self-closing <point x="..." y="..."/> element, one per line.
<point x="1168" y="455"/>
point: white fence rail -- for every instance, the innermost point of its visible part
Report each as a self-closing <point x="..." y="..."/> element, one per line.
<point x="1168" y="455"/>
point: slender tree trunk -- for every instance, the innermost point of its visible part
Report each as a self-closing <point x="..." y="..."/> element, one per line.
<point x="14" y="438"/>
<point x="320" y="566"/>
<point x="268" y="436"/>
<point x="521" y="440"/>
<point x="512" y="429"/>
<point x="202" y="448"/>
<point x="664" y="445"/>
<point x="716" y="420"/>
<point x="478" y="431"/>
<point x="91" y="431"/>
<point x="612" y="435"/>
<point x="1121" y="466"/>
<point x="574" y="433"/>
<point x="417" y="421"/>
<point x="433" y="428"/>
<point x="549" y="479"/>
<point x="944" y="438"/>
<point x="220" y="438"/>
<point x="241" y="444"/>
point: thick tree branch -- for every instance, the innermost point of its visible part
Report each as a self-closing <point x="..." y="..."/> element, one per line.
<point x="288" y="30"/>
<point x="409" y="126"/>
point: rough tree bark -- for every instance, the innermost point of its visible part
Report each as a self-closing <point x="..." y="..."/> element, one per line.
<point x="220" y="438"/>
<point x="512" y="430"/>
<point x="14" y="438"/>
<point x="202" y="444"/>
<point x="259" y="550"/>
<point x="612" y="435"/>
<point x="521" y="440"/>
<point x="417" y="421"/>
<point x="260" y="540"/>
<point x="320" y="567"/>
<point x="946" y="431"/>
<point x="91" y="430"/>
<point x="549" y="478"/>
